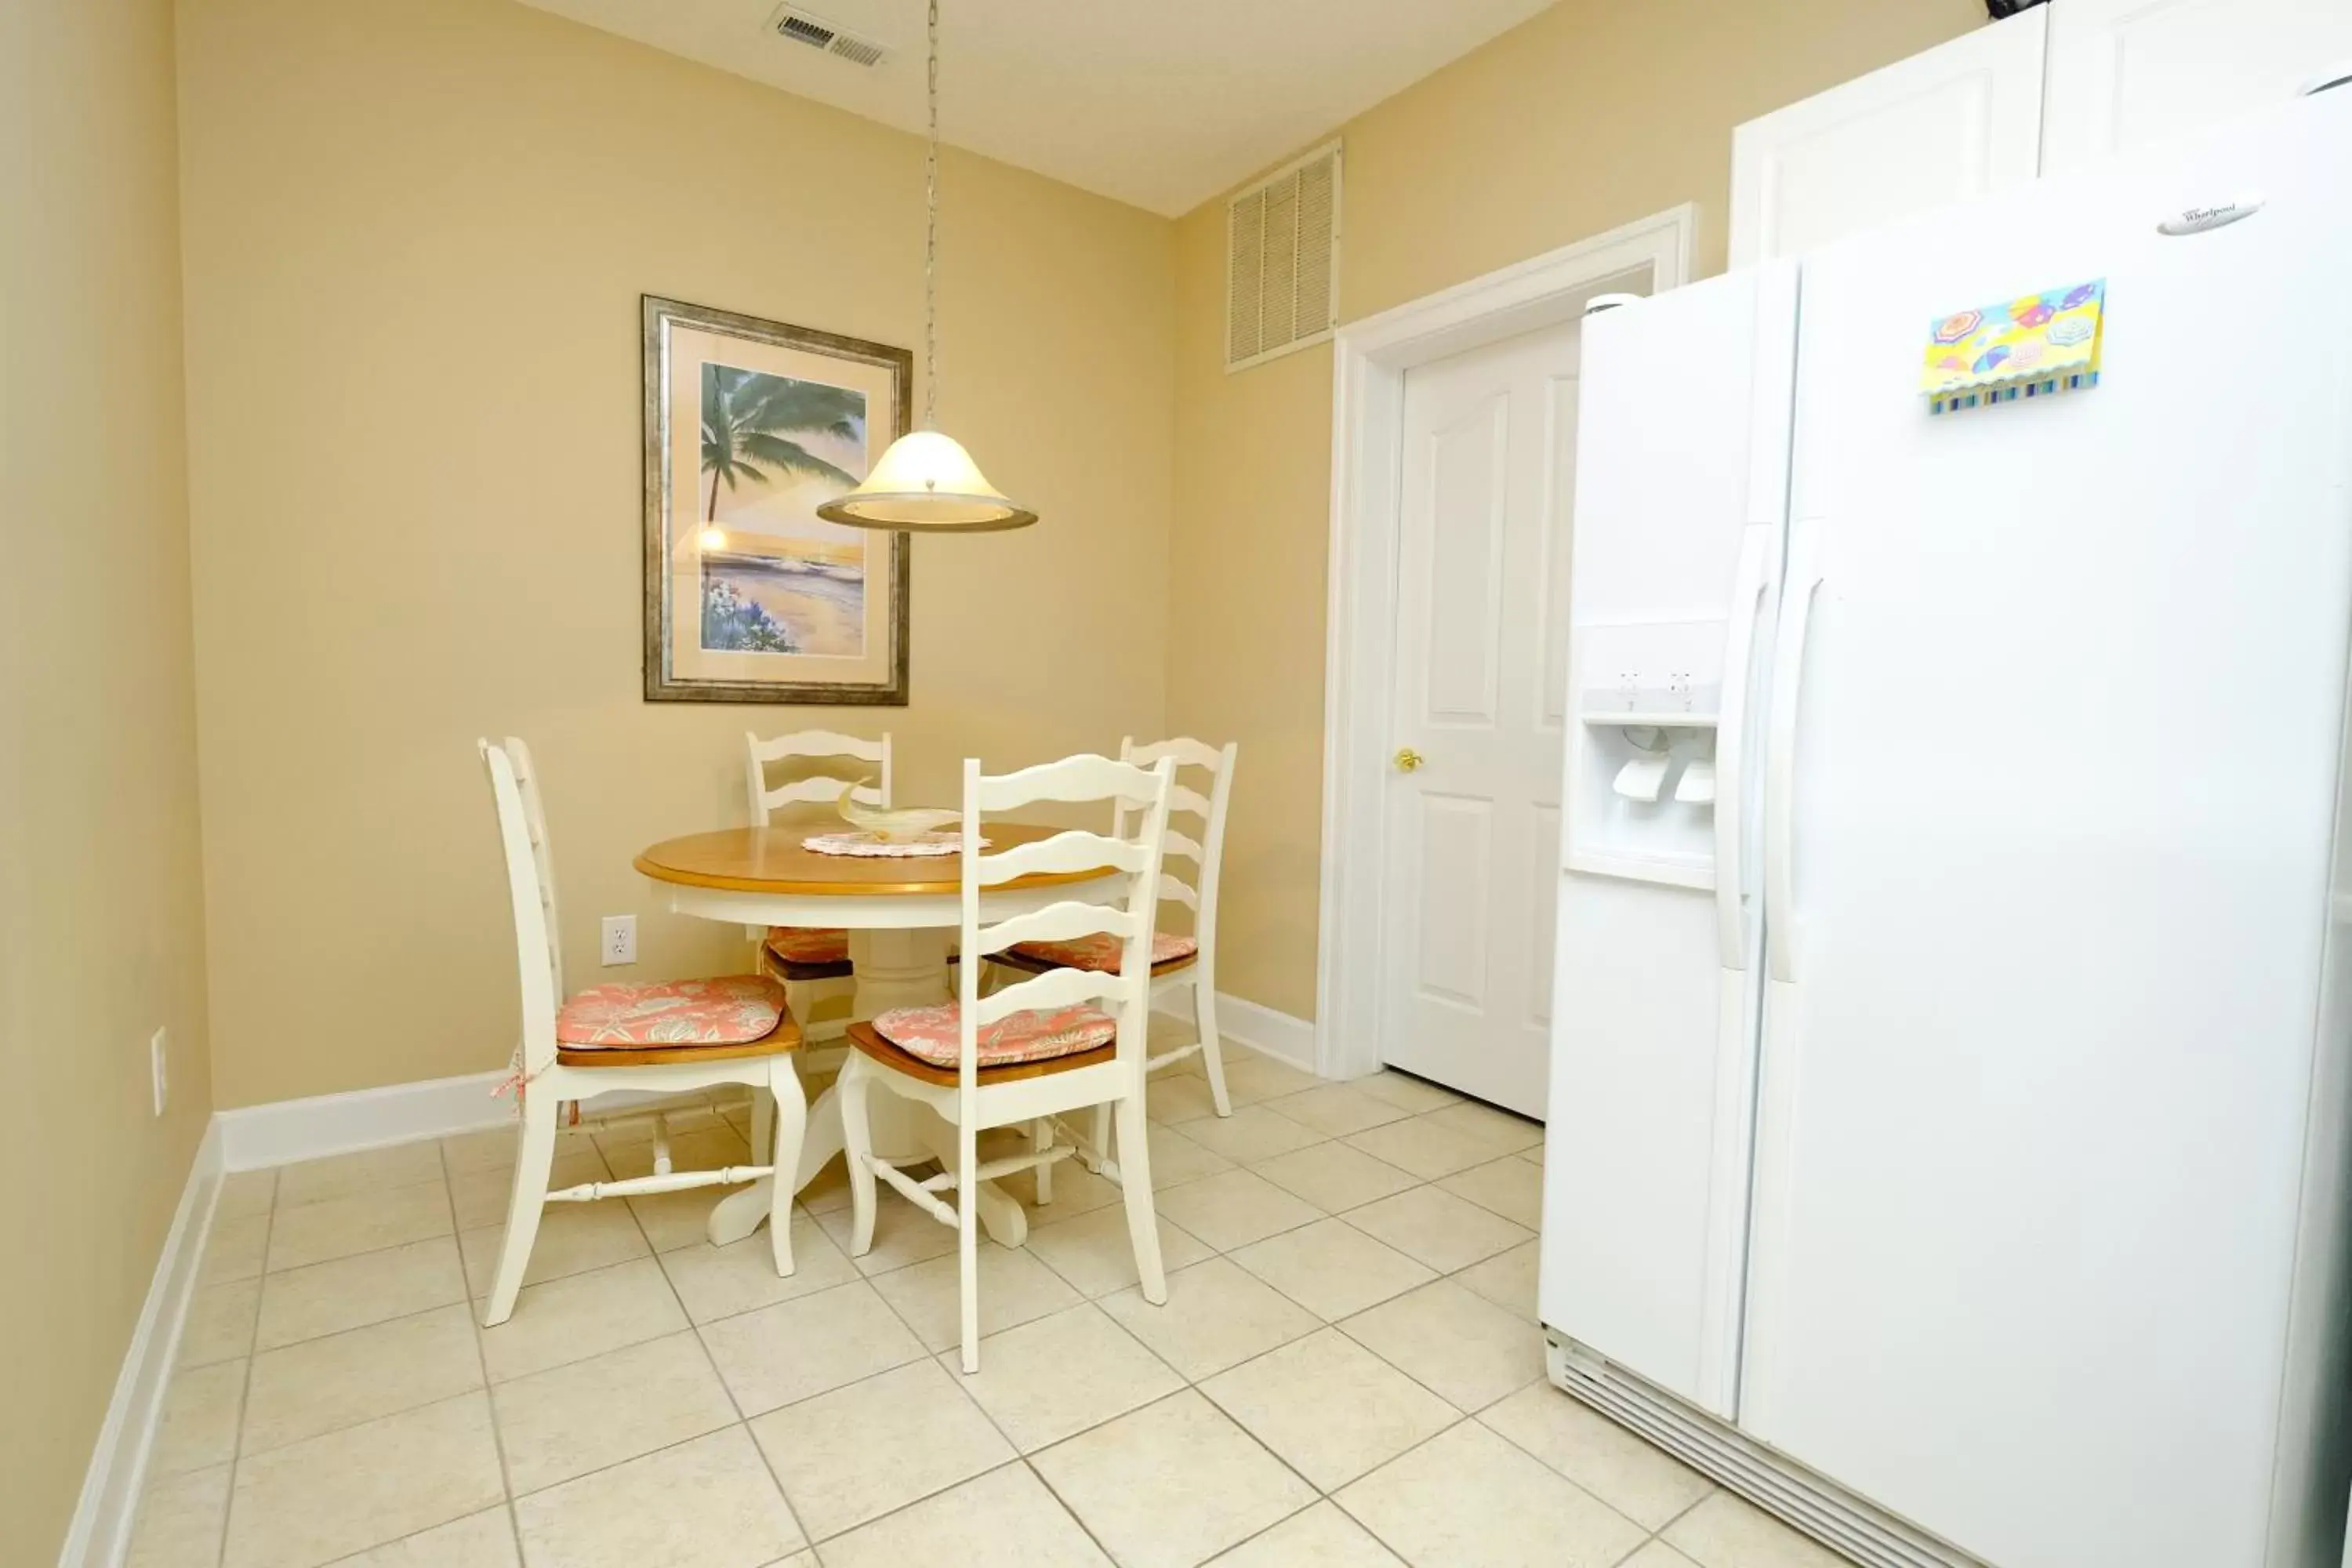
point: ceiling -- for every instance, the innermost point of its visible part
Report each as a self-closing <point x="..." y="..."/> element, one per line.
<point x="1160" y="103"/>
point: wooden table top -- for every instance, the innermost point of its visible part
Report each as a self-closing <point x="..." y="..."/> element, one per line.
<point x="770" y="860"/>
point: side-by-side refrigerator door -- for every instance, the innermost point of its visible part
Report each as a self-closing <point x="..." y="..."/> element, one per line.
<point x="2050" y="785"/>
<point x="1682" y="453"/>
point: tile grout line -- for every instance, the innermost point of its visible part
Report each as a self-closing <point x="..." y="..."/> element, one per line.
<point x="1340" y="1215"/>
<point x="1365" y="1524"/>
<point x="1028" y="1463"/>
<point x="367" y="1187"/>
<point x="760" y="1449"/>
<point x="1508" y="1441"/>
<point x="482" y="1359"/>
<point x="244" y="1394"/>
<point x="1211" y="1400"/>
<point x="1376" y="1356"/>
<point x="1083" y="1298"/>
<point x="925" y="1353"/>
<point x="956" y="1377"/>
<point x="1189" y="1385"/>
<point x="1337" y="1324"/>
<point x="1018" y="1454"/>
<point x="1321" y="1496"/>
<point x="1192" y="1388"/>
<point x="1020" y="1457"/>
<point x="364" y="1251"/>
<point x="1659" y="1535"/>
<point x="1333" y="1323"/>
<point x="616" y="1464"/>
<point x="651" y="1255"/>
<point x="367" y="1420"/>
<point x="505" y="1485"/>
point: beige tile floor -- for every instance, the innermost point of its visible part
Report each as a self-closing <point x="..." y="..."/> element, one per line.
<point x="1348" y="1371"/>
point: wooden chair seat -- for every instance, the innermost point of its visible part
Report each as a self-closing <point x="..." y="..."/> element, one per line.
<point x="798" y="972"/>
<point x="866" y="1038"/>
<point x="1030" y="963"/>
<point x="809" y="952"/>
<point x="784" y="1036"/>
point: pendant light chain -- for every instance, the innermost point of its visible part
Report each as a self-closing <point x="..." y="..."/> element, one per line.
<point x="931" y="238"/>
<point x="925" y="481"/>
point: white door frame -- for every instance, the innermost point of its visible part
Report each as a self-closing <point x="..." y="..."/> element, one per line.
<point x="1370" y="359"/>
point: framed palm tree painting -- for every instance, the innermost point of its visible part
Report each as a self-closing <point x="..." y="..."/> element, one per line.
<point x="750" y="596"/>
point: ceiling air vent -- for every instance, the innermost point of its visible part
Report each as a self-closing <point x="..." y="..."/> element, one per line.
<point x="1282" y="260"/>
<point x="806" y="27"/>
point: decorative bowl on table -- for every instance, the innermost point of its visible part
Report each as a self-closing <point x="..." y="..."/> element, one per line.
<point x="905" y="825"/>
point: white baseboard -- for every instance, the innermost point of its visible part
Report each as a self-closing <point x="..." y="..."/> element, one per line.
<point x="99" y="1533"/>
<point x="1247" y="1023"/>
<point x="1277" y="1035"/>
<point x="284" y="1131"/>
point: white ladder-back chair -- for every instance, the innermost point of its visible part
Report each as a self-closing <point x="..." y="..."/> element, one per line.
<point x="542" y="856"/>
<point x="1030" y="1051"/>
<point x="673" y="1037"/>
<point x="1179" y="962"/>
<point x="534" y="815"/>
<point x="812" y="962"/>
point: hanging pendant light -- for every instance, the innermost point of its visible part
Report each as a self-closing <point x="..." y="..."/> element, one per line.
<point x="927" y="483"/>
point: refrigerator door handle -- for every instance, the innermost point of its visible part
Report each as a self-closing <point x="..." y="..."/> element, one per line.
<point x="1780" y="746"/>
<point x="1750" y="586"/>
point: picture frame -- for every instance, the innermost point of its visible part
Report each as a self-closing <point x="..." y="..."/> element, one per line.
<point x="749" y="595"/>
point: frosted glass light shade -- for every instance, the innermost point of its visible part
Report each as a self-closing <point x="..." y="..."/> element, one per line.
<point x="927" y="483"/>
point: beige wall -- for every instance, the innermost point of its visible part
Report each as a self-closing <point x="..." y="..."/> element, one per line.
<point x="1592" y="114"/>
<point x="101" y="937"/>
<point x="416" y="236"/>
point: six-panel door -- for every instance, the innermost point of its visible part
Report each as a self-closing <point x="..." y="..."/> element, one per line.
<point x="1473" y="834"/>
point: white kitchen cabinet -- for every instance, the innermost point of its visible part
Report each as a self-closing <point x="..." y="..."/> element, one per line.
<point x="2047" y="91"/>
<point x="2123" y="73"/>
<point x="1959" y="121"/>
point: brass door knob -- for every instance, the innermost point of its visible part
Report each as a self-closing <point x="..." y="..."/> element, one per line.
<point x="1407" y="759"/>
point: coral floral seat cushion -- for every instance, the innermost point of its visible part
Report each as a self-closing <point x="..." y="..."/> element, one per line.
<point x="935" y="1034"/>
<point x="732" y="1010"/>
<point x="809" y="944"/>
<point x="1099" y="950"/>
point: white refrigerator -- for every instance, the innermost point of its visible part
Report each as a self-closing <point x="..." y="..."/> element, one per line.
<point x="1952" y="1033"/>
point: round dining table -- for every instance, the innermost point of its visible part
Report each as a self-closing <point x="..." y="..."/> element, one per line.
<point x="900" y="912"/>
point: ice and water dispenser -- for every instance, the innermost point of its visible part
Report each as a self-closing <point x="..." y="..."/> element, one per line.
<point x="1642" y="771"/>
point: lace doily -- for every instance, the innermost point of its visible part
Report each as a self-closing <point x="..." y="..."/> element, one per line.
<point x="866" y="844"/>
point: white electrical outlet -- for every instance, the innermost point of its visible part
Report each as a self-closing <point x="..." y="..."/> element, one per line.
<point x="159" y="1058"/>
<point x="620" y="939"/>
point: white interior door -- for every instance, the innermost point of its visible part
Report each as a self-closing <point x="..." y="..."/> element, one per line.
<point x="1955" y="122"/>
<point x="1473" y="840"/>
<point x="2123" y="73"/>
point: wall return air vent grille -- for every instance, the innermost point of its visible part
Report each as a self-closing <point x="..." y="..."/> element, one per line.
<point x="1282" y="260"/>
<point x="799" y="26"/>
